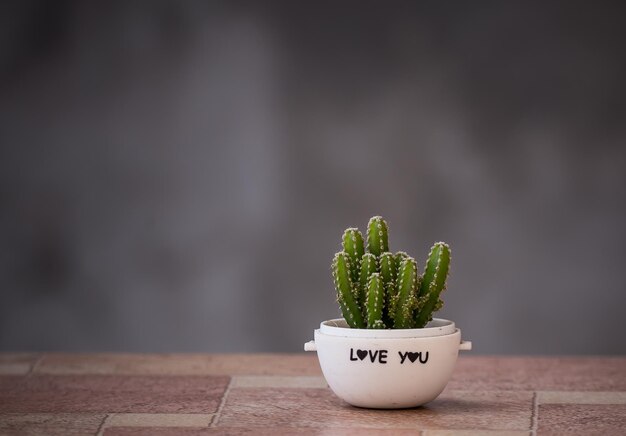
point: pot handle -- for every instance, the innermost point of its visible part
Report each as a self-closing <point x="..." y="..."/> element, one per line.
<point x="310" y="346"/>
<point x="465" y="345"/>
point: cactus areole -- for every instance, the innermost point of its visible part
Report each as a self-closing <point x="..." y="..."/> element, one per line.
<point x="378" y="289"/>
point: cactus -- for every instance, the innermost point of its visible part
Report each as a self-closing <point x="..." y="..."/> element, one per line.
<point x="433" y="282"/>
<point x="388" y="268"/>
<point x="406" y="299"/>
<point x="399" y="257"/>
<point x="377" y="236"/>
<point x="375" y="302"/>
<point x="346" y="292"/>
<point x="353" y="245"/>
<point x="388" y="273"/>
<point x="369" y="265"/>
<point x="378" y="289"/>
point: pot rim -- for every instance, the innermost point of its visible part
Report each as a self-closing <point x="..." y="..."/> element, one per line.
<point x="339" y="327"/>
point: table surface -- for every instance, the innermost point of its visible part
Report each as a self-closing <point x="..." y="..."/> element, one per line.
<point x="274" y="394"/>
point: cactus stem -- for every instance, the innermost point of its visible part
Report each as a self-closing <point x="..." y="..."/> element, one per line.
<point x="352" y="242"/>
<point x="369" y="265"/>
<point x="375" y="301"/>
<point x="406" y="294"/>
<point x="377" y="236"/>
<point x="346" y="291"/>
<point x="433" y="282"/>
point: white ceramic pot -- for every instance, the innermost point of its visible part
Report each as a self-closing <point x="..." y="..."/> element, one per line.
<point x="387" y="369"/>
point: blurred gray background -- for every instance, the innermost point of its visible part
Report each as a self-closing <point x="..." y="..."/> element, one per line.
<point x="176" y="176"/>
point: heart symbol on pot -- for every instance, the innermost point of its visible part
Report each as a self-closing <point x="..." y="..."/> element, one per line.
<point x="413" y="356"/>
<point x="361" y="354"/>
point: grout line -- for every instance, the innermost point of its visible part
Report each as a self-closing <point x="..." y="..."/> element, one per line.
<point x="534" y="417"/>
<point x="102" y="425"/>
<point x="217" y="414"/>
<point x="35" y="365"/>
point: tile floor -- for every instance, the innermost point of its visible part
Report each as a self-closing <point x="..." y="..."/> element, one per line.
<point x="285" y="394"/>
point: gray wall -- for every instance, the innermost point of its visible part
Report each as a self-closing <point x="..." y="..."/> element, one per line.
<point x="175" y="176"/>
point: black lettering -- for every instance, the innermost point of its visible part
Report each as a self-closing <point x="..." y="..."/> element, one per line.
<point x="402" y="357"/>
<point x="425" y="359"/>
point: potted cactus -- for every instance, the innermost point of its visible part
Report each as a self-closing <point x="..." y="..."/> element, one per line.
<point x="387" y="351"/>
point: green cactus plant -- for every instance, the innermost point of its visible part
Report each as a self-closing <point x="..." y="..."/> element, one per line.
<point x="406" y="299"/>
<point x="377" y="236"/>
<point x="377" y="289"/>
<point x="369" y="265"/>
<point x="346" y="291"/>
<point x="352" y="242"/>
<point x="433" y="282"/>
<point x="374" y="302"/>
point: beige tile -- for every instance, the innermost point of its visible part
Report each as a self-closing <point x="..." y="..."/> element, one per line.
<point x="49" y="423"/>
<point x="180" y="364"/>
<point x="291" y="407"/>
<point x="540" y="373"/>
<point x="276" y="381"/>
<point x="17" y="363"/>
<point x="107" y="394"/>
<point x="582" y="419"/>
<point x="155" y="431"/>
<point x="364" y="432"/>
<point x="557" y="397"/>
<point x="255" y="431"/>
<point x="475" y="433"/>
<point x="158" y="420"/>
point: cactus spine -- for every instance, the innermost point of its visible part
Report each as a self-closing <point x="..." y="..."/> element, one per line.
<point x="378" y="289"/>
